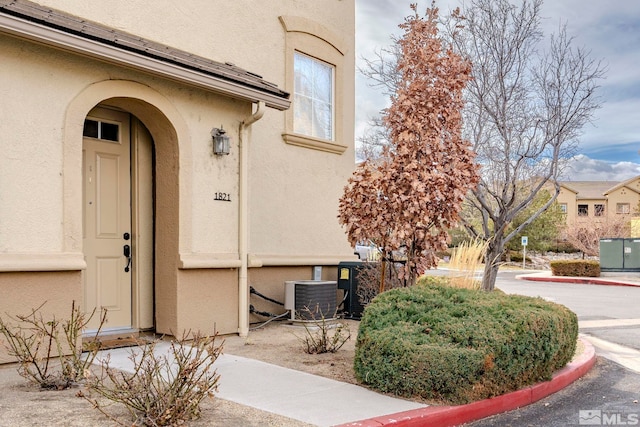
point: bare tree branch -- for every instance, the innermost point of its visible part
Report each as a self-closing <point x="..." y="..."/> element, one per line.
<point x="525" y="108"/>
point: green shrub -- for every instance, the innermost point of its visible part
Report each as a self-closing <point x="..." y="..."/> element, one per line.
<point x="460" y="345"/>
<point x="516" y="256"/>
<point x="575" y="268"/>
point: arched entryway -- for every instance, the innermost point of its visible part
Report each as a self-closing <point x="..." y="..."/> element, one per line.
<point x="129" y="200"/>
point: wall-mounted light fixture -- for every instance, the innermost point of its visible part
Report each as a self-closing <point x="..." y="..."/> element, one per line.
<point x="221" y="142"/>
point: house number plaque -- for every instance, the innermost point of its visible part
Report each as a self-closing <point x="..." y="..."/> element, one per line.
<point x="223" y="197"/>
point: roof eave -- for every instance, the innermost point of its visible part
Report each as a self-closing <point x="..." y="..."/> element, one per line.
<point x="70" y="42"/>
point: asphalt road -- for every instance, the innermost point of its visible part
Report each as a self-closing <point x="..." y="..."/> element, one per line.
<point x="609" y="317"/>
<point x="606" y="395"/>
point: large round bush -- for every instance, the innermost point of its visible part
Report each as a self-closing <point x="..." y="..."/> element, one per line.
<point x="460" y="345"/>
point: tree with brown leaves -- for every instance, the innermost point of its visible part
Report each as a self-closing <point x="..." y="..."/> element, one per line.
<point x="407" y="200"/>
<point x="525" y="108"/>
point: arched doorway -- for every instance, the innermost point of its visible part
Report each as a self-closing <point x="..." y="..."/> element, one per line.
<point x="135" y="191"/>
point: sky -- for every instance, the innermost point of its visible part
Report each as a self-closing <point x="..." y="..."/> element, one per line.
<point x="610" y="30"/>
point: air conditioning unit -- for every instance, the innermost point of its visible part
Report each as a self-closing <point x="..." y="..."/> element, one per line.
<point x="310" y="300"/>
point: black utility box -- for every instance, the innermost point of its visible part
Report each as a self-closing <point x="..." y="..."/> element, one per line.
<point x="348" y="275"/>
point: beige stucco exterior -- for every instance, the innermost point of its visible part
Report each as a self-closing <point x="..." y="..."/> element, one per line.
<point x="617" y="198"/>
<point x="293" y="182"/>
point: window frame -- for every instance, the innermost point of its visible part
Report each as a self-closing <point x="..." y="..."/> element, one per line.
<point x="599" y="209"/>
<point x="623" y="211"/>
<point x="318" y="42"/>
<point x="314" y="100"/>
<point x="583" y="210"/>
<point x="100" y="130"/>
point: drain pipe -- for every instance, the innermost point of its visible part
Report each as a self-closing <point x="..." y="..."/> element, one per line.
<point x="243" y="221"/>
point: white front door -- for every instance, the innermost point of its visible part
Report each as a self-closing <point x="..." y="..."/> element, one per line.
<point x="107" y="217"/>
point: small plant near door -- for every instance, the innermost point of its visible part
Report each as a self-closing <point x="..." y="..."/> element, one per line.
<point x="321" y="335"/>
<point x="165" y="387"/>
<point x="50" y="351"/>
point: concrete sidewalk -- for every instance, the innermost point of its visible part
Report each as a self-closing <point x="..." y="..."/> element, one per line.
<point x="324" y="402"/>
<point x="309" y="398"/>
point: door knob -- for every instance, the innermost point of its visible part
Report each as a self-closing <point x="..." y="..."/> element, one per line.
<point x="127" y="253"/>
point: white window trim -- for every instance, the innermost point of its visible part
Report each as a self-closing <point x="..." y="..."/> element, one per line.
<point x="563" y="208"/>
<point x="332" y="68"/>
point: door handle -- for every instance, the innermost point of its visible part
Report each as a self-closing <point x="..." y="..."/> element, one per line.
<point x="127" y="253"/>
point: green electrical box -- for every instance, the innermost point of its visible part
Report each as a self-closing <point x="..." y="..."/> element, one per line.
<point x="620" y="254"/>
<point x="611" y="254"/>
<point x="631" y="255"/>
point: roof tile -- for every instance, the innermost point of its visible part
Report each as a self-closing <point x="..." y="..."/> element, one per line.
<point x="91" y="30"/>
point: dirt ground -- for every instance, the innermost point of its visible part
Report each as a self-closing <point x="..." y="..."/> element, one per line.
<point x="23" y="404"/>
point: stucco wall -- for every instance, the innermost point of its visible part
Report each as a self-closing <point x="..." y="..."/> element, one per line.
<point x="207" y="301"/>
<point x="293" y="190"/>
<point x="250" y="35"/>
<point x="23" y="292"/>
<point x="623" y="195"/>
<point x="32" y="161"/>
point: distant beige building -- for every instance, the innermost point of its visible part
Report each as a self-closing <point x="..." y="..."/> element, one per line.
<point x="598" y="199"/>
<point x="112" y="190"/>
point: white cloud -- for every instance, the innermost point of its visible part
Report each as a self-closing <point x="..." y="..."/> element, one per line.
<point x="583" y="168"/>
<point x="611" y="31"/>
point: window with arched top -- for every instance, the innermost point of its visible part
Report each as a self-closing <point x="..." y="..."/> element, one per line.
<point x="315" y="63"/>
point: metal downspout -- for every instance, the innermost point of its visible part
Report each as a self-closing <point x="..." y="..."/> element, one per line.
<point x="243" y="221"/>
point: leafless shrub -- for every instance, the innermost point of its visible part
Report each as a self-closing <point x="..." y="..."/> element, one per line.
<point x="49" y="351"/>
<point x="323" y="336"/>
<point x="163" y="389"/>
<point x="585" y="233"/>
<point x="370" y="277"/>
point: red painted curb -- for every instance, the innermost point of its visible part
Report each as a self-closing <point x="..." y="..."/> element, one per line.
<point x="448" y="416"/>
<point x="586" y="281"/>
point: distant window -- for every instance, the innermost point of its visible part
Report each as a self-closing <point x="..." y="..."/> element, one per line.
<point x="563" y="208"/>
<point x="583" y="210"/>
<point x="313" y="97"/>
<point x="598" y="210"/>
<point x="623" y="208"/>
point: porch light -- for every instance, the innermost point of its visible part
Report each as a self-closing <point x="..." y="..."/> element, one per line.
<point x="221" y="142"/>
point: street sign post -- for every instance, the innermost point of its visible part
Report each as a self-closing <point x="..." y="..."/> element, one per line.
<point x="525" y="242"/>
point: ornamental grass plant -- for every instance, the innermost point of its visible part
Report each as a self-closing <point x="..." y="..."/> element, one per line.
<point x="465" y="261"/>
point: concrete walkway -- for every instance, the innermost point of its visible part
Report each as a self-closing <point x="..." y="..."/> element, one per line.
<point x="309" y="398"/>
<point x="324" y="402"/>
